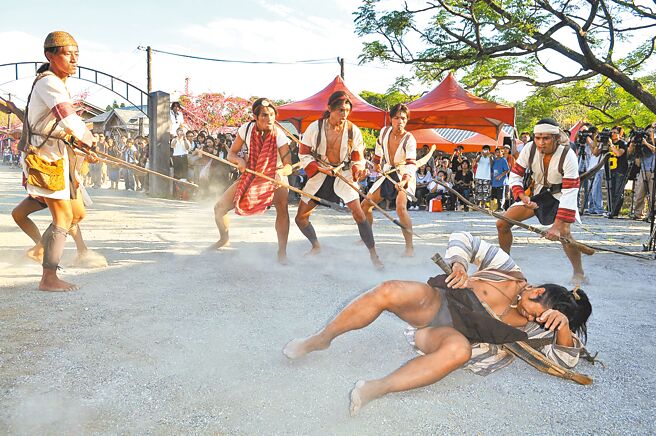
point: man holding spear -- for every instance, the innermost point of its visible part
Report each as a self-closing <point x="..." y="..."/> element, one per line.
<point x="552" y="167"/>
<point x="267" y="150"/>
<point x="332" y="154"/>
<point x="49" y="162"/>
<point x="398" y="149"/>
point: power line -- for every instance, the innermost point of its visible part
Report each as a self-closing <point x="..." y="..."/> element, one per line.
<point x="233" y="61"/>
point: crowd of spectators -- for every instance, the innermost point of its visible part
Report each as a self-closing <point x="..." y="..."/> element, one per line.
<point x="631" y="159"/>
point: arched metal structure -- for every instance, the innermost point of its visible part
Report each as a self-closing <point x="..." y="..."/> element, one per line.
<point x="117" y="86"/>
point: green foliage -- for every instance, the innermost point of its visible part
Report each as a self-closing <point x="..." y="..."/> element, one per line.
<point x="535" y="41"/>
<point x="387" y="100"/>
<point x="599" y="101"/>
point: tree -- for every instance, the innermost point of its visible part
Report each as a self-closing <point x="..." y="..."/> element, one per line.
<point x="384" y="101"/>
<point x="494" y="41"/>
<point x="599" y="101"/>
<point x="214" y="111"/>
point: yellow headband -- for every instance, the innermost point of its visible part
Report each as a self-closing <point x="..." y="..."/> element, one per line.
<point x="575" y="293"/>
<point x="59" y="38"/>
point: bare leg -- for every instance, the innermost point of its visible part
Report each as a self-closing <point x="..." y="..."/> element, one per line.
<point x="366" y="233"/>
<point x="79" y="213"/>
<point x="21" y="216"/>
<point x="414" y="302"/>
<point x="302" y="220"/>
<point x="62" y="217"/>
<point x="368" y="205"/>
<point x="282" y="222"/>
<point x="574" y="256"/>
<point x="221" y="209"/>
<point x="518" y="213"/>
<point x="446" y="350"/>
<point x="404" y="219"/>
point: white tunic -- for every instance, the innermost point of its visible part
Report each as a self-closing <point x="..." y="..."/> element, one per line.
<point x="344" y="191"/>
<point x="404" y="158"/>
<point x="50" y="102"/>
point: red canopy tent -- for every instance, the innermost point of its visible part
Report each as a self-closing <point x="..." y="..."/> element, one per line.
<point x="303" y="112"/>
<point x="449" y="105"/>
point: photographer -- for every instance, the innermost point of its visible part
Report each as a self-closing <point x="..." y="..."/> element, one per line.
<point x="589" y="152"/>
<point x="617" y="168"/>
<point x="643" y="145"/>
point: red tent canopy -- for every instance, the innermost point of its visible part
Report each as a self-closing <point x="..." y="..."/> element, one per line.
<point x="449" y="105"/>
<point x="303" y="112"/>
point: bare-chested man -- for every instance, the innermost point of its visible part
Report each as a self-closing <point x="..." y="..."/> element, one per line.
<point x="338" y="144"/>
<point x="398" y="149"/>
<point x="436" y="329"/>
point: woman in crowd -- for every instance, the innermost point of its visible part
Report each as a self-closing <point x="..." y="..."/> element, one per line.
<point x="464" y="181"/>
<point x="424" y="178"/>
<point x="113" y="150"/>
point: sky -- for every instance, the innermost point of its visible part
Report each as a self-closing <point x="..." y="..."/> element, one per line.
<point x="254" y="30"/>
<point x="108" y="34"/>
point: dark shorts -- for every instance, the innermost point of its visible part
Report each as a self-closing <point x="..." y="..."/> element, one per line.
<point x="327" y="191"/>
<point x="387" y="190"/>
<point x="547" y="207"/>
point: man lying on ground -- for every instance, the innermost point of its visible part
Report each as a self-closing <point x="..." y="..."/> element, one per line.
<point x="442" y="333"/>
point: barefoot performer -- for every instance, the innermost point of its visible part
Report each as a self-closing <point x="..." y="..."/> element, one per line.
<point x="450" y="328"/>
<point x="334" y="140"/>
<point x="398" y="148"/>
<point x="267" y="149"/>
<point x="552" y="166"/>
<point x="49" y="162"/>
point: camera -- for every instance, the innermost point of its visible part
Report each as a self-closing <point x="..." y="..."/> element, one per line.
<point x="582" y="136"/>
<point x="604" y="140"/>
<point x="638" y="135"/>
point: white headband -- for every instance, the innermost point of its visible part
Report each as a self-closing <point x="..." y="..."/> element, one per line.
<point x="546" y="128"/>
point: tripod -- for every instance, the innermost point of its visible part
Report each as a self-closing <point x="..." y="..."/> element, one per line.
<point x="650" y="245"/>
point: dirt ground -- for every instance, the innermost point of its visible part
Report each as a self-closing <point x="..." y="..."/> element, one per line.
<point x="171" y="339"/>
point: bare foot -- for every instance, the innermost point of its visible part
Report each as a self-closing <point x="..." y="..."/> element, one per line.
<point x="297" y="348"/>
<point x="282" y="258"/>
<point x="314" y="250"/>
<point x="35" y="253"/>
<point x="579" y="279"/>
<point x="219" y="244"/>
<point x="54" y="284"/>
<point x="362" y="394"/>
<point x="375" y="260"/>
<point x="409" y="252"/>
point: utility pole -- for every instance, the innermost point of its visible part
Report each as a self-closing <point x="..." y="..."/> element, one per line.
<point x="149" y="64"/>
<point x="341" y="67"/>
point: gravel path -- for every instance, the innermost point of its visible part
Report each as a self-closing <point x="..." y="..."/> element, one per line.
<point x="170" y="339"/>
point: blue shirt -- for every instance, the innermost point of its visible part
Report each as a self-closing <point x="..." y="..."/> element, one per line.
<point x="499" y="166"/>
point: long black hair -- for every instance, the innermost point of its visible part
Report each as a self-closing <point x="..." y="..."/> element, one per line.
<point x="46" y="65"/>
<point x="574" y="305"/>
<point x="335" y="100"/>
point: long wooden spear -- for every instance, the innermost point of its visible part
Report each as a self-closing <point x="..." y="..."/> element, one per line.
<point x="121" y="162"/>
<point x="583" y="248"/>
<point x="420" y="162"/>
<point x="348" y="182"/>
<point x="330" y="204"/>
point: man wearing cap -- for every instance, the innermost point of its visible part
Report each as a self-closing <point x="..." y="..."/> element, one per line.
<point x="49" y="162"/>
<point x="266" y="148"/>
<point x="552" y="167"/>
